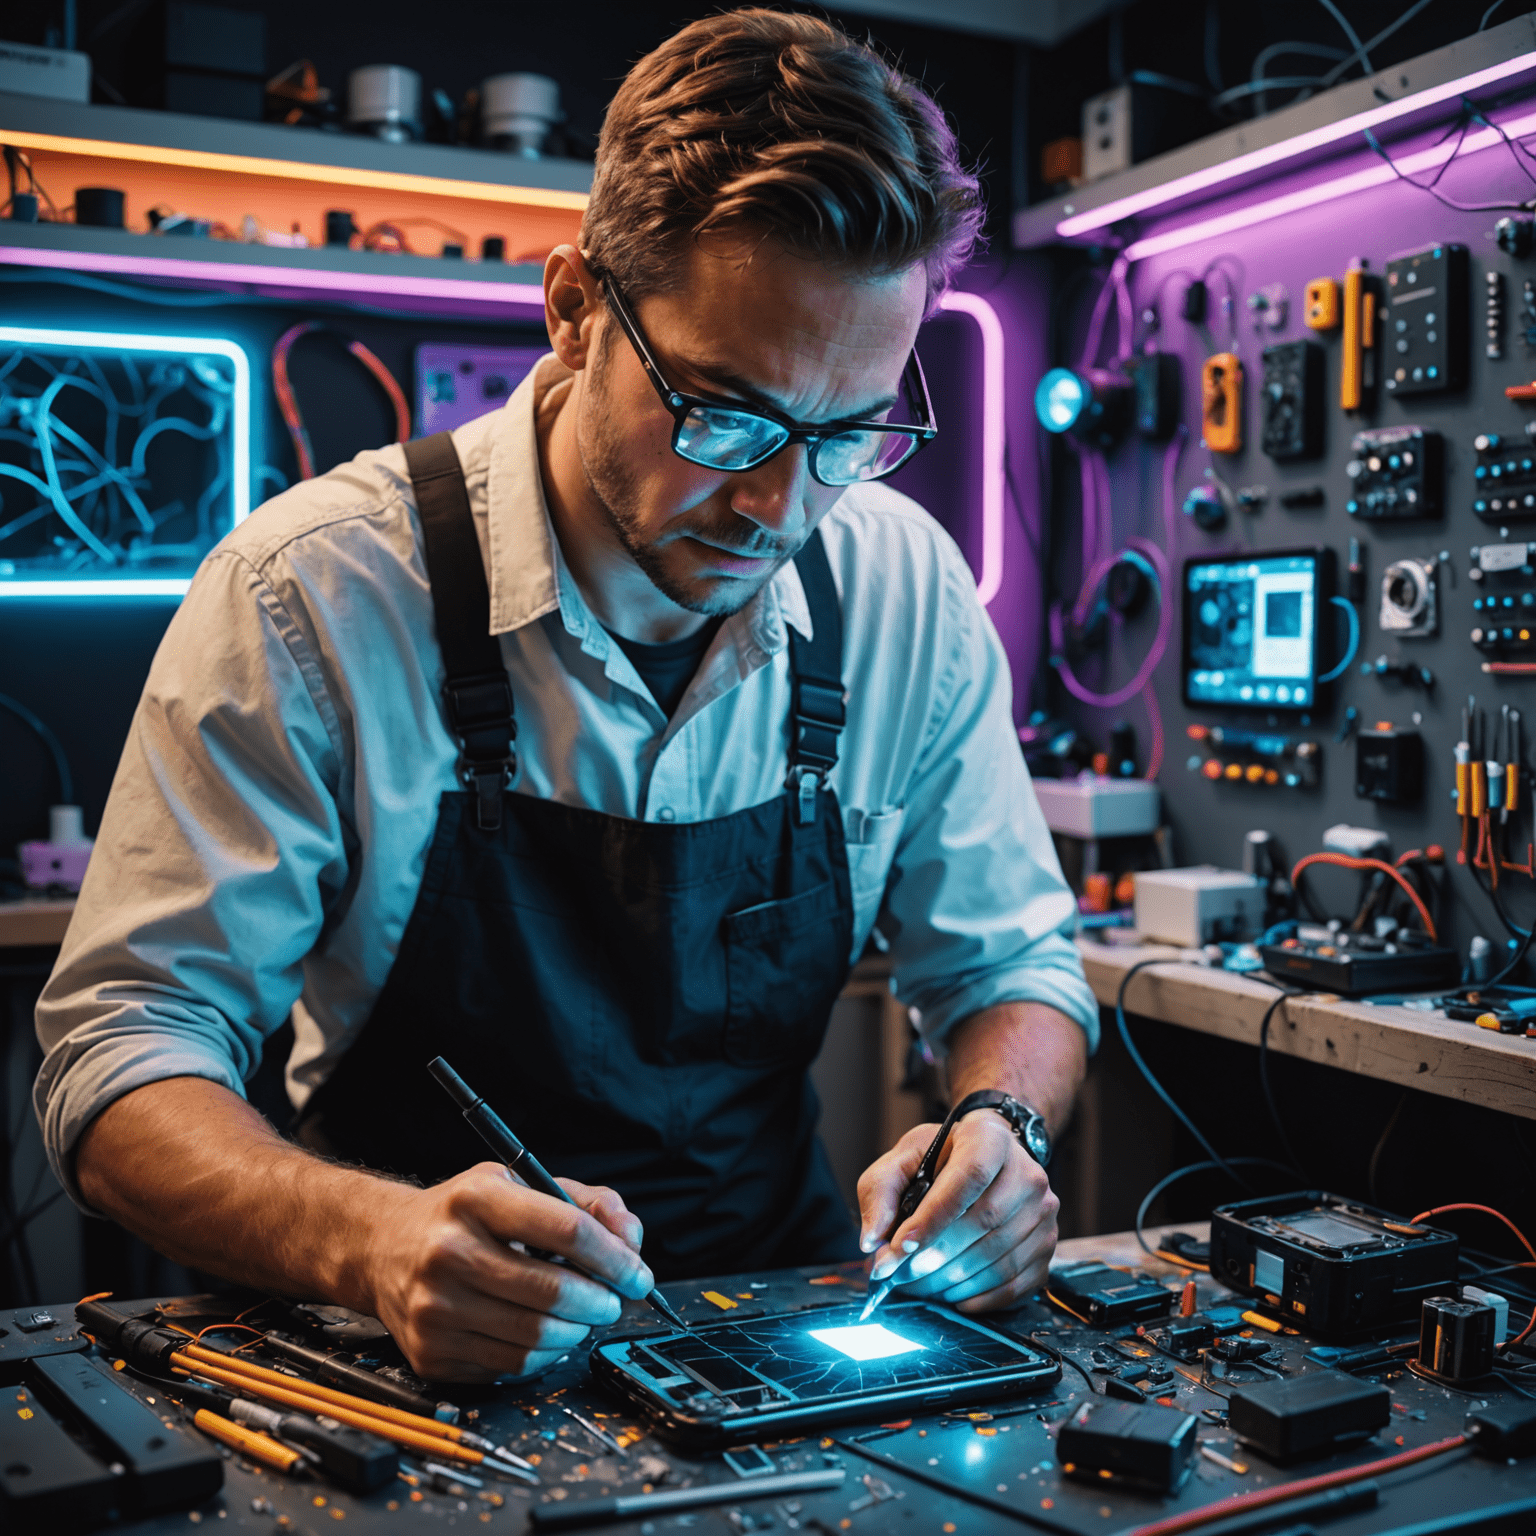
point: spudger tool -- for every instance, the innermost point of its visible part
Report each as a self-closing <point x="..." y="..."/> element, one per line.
<point x="911" y="1197"/>
<point x="494" y="1132"/>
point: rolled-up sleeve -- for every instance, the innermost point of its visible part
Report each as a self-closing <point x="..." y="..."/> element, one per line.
<point x="220" y="850"/>
<point x="976" y="909"/>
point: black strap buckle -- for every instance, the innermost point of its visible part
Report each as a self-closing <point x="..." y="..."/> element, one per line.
<point x="816" y="723"/>
<point x="480" y="713"/>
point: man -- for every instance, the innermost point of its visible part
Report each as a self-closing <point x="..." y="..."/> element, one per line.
<point x="757" y="707"/>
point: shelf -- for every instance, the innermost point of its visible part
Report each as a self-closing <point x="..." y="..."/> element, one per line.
<point x="287" y="179"/>
<point x="1406" y="98"/>
<point x="412" y="284"/>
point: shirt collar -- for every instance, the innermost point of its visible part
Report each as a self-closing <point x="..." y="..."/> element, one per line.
<point x="528" y="574"/>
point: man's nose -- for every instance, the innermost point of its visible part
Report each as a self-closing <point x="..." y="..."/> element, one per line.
<point x="773" y="495"/>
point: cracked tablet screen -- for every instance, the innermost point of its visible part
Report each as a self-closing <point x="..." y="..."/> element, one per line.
<point x="828" y="1353"/>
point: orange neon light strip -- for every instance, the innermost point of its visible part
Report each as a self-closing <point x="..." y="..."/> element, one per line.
<point x="295" y="170"/>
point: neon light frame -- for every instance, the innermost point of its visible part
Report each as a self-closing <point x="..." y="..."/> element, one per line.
<point x="994" y="435"/>
<point x="1211" y="177"/>
<point x="240" y="462"/>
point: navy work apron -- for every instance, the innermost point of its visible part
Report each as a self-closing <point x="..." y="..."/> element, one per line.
<point x="638" y="1000"/>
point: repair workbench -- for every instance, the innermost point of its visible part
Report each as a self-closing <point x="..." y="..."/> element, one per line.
<point x="1411" y="1047"/>
<point x="948" y="1474"/>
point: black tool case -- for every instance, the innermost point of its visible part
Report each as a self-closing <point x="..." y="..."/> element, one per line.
<point x="1337" y="1269"/>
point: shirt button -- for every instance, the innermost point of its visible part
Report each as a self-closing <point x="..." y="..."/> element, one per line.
<point x="666" y="813"/>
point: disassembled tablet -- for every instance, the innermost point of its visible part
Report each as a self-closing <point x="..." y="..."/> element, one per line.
<point x="726" y="1383"/>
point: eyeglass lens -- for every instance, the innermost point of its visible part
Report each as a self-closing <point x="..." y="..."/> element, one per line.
<point x="718" y="438"/>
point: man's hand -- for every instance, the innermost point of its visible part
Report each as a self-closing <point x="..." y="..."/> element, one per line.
<point x="983" y="1236"/>
<point x="464" y="1302"/>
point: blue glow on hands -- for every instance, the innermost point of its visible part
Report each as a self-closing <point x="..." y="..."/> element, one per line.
<point x="865" y="1341"/>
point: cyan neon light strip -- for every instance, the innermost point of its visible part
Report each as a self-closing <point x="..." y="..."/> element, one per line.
<point x="994" y="436"/>
<point x="240" y="458"/>
<point x="1210" y="177"/>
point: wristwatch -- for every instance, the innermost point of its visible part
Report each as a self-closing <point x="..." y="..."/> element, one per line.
<point x="1026" y="1123"/>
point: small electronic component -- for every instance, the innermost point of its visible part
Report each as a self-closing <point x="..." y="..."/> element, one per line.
<point x="1513" y="234"/>
<point x="1292" y="410"/>
<point x="1427" y="303"/>
<point x="1308" y="1415"/>
<point x="1396" y="473"/>
<point x="1142" y="1445"/>
<point x="1221" y="403"/>
<point x="1456" y="1337"/>
<point x="1389" y="765"/>
<point x="1494" y="310"/>
<point x="1197" y="906"/>
<point x="1358" y="964"/>
<point x="1321" y="311"/>
<point x="1337" y="1267"/>
<point x="1183" y="1337"/>
<point x="1357" y="313"/>
<point x="1157" y="384"/>
<point x="1504" y="477"/>
<point x="1505" y="1430"/>
<point x="1409" y="600"/>
<point x="1108" y="1297"/>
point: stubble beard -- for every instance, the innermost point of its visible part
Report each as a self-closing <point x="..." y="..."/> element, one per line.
<point x="616" y="488"/>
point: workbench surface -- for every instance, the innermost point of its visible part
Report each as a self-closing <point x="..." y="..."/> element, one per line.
<point x="1411" y="1047"/>
<point x="951" y="1474"/>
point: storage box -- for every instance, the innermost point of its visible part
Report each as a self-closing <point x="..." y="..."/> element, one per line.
<point x="1090" y="806"/>
<point x="1198" y="905"/>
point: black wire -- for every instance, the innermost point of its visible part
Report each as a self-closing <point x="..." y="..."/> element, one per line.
<point x="1269" y="1096"/>
<point x="1189" y="1168"/>
<point x="1061" y="1359"/>
<point x="1381" y="1146"/>
<point x="1515" y="960"/>
<point x="55" y="747"/>
<point x="1432" y="189"/>
<point x="1156" y="1086"/>
<point x="1488" y="15"/>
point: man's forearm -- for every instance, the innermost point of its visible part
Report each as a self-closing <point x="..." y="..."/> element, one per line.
<point x="204" y="1178"/>
<point x="1029" y="1050"/>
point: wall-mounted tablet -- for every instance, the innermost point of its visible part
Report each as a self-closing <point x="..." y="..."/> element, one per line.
<point x="1253" y="629"/>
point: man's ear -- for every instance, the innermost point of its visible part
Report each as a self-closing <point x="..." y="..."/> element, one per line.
<point x="572" y="306"/>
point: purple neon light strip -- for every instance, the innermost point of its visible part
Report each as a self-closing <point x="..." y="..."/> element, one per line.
<point x="356" y="283"/>
<point x="1274" y="154"/>
<point x="1340" y="186"/>
<point x="994" y="436"/>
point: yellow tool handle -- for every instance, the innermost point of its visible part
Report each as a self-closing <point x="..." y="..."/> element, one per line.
<point x="1479" y="787"/>
<point x="1511" y="786"/>
<point x="252" y="1443"/>
<point x="254" y="1372"/>
<point x="1352" y="366"/>
<point x="1258" y="1320"/>
<point x="1463" y="774"/>
<point x="397" y="1433"/>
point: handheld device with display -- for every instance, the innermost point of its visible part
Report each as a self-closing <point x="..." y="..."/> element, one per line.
<point x="1253" y="629"/>
<point x="765" y="1378"/>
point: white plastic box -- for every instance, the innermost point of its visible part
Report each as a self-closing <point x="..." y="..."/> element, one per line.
<point x="1198" y="905"/>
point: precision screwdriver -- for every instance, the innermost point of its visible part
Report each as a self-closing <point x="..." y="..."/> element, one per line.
<point x="357" y="1379"/>
<point x="357" y="1460"/>
<point x="494" y="1132"/>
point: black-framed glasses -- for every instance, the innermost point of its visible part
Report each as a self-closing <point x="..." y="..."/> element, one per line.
<point x="727" y="435"/>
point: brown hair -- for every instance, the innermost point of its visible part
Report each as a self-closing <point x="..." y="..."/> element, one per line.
<point x="783" y="125"/>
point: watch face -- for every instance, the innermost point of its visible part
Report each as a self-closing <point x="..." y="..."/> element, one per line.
<point x="1038" y="1142"/>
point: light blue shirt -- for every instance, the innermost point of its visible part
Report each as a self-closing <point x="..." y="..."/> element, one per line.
<point x="265" y="837"/>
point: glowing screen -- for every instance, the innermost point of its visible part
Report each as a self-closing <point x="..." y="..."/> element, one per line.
<point x="865" y="1341"/>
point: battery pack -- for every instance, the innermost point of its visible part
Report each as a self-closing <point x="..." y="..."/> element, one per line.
<point x="1141" y="1444"/>
<point x="1108" y="1297"/>
<point x="1311" y="1415"/>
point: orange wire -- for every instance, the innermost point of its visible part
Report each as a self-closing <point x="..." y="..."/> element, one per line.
<point x="1344" y="861"/>
<point x="1488" y="1210"/>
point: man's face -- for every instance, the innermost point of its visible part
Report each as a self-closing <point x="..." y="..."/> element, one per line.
<point x="780" y="332"/>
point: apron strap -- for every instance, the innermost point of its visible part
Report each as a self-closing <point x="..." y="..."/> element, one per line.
<point x="477" y="691"/>
<point x="816" y="671"/>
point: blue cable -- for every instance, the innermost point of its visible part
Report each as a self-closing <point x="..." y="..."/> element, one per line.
<point x="1354" y="640"/>
<point x="49" y="740"/>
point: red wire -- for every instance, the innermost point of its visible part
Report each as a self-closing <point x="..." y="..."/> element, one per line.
<point x="1344" y="861"/>
<point x="1261" y="1497"/>
<point x="288" y="404"/>
<point x="1488" y="1210"/>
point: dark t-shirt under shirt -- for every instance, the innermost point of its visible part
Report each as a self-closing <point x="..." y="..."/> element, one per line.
<point x="668" y="669"/>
